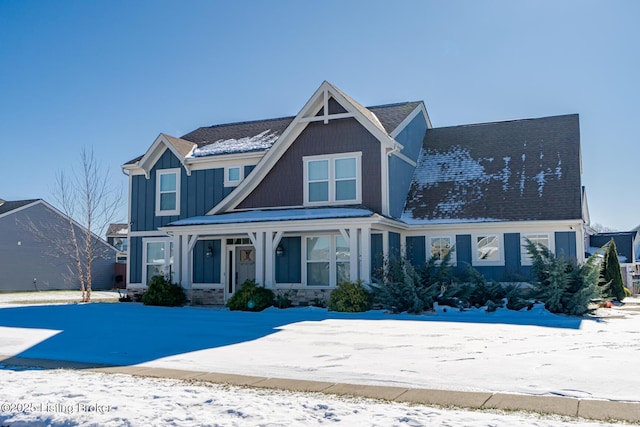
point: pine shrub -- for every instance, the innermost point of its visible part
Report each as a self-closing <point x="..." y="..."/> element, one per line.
<point x="563" y="286"/>
<point x="251" y="297"/>
<point x="350" y="297"/>
<point x="611" y="275"/>
<point x="162" y="292"/>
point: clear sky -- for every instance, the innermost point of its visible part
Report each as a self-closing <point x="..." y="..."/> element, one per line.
<point x="114" y="74"/>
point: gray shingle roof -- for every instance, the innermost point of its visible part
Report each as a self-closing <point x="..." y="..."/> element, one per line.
<point x="390" y="116"/>
<point x="117" y="229"/>
<point x="8" y="206"/>
<point x="504" y="171"/>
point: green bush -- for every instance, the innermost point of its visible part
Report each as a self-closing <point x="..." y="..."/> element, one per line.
<point x="251" y="297"/>
<point x="610" y="273"/>
<point x="350" y="297"/>
<point x="283" y="300"/>
<point x="162" y="292"/>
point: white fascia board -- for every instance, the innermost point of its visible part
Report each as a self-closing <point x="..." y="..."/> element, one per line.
<point x="403" y="124"/>
<point x="508" y="226"/>
<point x="404" y="158"/>
<point x="151" y="233"/>
<point x="219" y="162"/>
<point x="284" y="226"/>
<point x="156" y="150"/>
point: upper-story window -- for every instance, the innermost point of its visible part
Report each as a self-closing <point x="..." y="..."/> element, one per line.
<point x="168" y="192"/>
<point x="332" y="179"/>
<point x="233" y="175"/>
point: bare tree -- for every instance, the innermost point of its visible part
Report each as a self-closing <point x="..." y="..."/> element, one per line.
<point x="88" y="199"/>
<point x="602" y="228"/>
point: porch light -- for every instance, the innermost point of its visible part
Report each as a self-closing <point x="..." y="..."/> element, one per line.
<point x="209" y="251"/>
<point x="279" y="250"/>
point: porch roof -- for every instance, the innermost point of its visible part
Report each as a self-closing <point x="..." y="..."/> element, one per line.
<point x="274" y="215"/>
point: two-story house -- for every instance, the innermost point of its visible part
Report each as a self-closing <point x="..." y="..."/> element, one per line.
<point x="302" y="203"/>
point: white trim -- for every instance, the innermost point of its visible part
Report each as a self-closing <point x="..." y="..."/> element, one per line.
<point x="159" y="173"/>
<point x="332" y="259"/>
<point x="403" y="124"/>
<point x="234" y="183"/>
<point x="331" y="178"/>
<point x="167" y="254"/>
<point x="525" y="259"/>
<point x="453" y="260"/>
<point x="474" y="250"/>
<point x="151" y="233"/>
<point x="289" y="136"/>
<point x="404" y="158"/>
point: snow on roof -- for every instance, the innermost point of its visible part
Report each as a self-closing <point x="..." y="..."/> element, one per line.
<point x="274" y="215"/>
<point x="262" y="141"/>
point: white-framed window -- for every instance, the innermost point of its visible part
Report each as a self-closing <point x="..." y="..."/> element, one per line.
<point x="168" y="192"/>
<point x="537" y="239"/>
<point x="327" y="260"/>
<point x="487" y="249"/>
<point x="157" y="256"/>
<point x="233" y="175"/>
<point x="440" y="246"/>
<point x="332" y="179"/>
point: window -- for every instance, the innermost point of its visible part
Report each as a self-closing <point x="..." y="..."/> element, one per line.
<point x="233" y="175"/>
<point x="318" y="263"/>
<point x="487" y="250"/>
<point x="536" y="239"/>
<point x="327" y="260"/>
<point x="168" y="192"/>
<point x="332" y="179"/>
<point x="158" y="258"/>
<point x="440" y="247"/>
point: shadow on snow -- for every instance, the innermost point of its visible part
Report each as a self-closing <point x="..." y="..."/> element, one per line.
<point x="128" y="334"/>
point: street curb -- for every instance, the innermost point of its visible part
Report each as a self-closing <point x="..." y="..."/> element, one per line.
<point x="567" y="406"/>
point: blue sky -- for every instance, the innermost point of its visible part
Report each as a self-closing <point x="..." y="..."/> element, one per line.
<point x="114" y="74"/>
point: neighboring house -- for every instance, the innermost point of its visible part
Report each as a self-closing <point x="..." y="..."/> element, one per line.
<point x="117" y="237"/>
<point x="36" y="249"/>
<point x="627" y="245"/>
<point x="302" y="203"/>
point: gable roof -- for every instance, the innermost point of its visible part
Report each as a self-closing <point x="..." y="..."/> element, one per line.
<point x="504" y="171"/>
<point x="8" y="206"/>
<point x="232" y="138"/>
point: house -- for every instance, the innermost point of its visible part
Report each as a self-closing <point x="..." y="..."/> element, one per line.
<point x="627" y="246"/>
<point x="36" y="249"/>
<point x="302" y="203"/>
<point x="117" y="237"/>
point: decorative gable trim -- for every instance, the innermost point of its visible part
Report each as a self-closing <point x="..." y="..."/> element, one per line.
<point x="420" y="109"/>
<point x="309" y="113"/>
<point x="179" y="147"/>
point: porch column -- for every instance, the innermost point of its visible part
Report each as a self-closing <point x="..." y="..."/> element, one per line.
<point x="365" y="254"/>
<point x="353" y="254"/>
<point x="271" y="243"/>
<point x="183" y="250"/>
<point x="257" y="239"/>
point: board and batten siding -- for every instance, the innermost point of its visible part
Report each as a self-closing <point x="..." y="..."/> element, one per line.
<point x="289" y="264"/>
<point x="199" y="193"/>
<point x="283" y="186"/>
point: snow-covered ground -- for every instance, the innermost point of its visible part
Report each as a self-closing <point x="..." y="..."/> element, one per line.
<point x="45" y="297"/>
<point x="70" y="398"/>
<point x="531" y="352"/>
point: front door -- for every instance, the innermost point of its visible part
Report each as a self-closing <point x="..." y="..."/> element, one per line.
<point x="242" y="262"/>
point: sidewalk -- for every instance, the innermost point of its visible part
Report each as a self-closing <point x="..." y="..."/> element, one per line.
<point x="605" y="410"/>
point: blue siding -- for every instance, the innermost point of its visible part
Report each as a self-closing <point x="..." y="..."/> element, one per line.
<point x="199" y="193"/>
<point x="289" y="265"/>
<point x="463" y="254"/>
<point x="135" y="259"/>
<point x="400" y="172"/>
<point x="394" y="246"/>
<point x="400" y="175"/>
<point x="377" y="255"/>
<point x="512" y="255"/>
<point x="206" y="269"/>
<point x="416" y="250"/>
<point x="566" y="244"/>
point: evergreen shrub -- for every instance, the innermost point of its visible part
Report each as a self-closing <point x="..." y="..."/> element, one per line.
<point x="611" y="274"/>
<point x="350" y="297"/>
<point x="282" y="300"/>
<point x="162" y="292"/>
<point x="251" y="297"/>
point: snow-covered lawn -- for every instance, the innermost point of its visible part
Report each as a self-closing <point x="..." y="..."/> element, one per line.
<point x="531" y="352"/>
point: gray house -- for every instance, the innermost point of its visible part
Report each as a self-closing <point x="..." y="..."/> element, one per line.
<point x="301" y="203"/>
<point x="35" y="250"/>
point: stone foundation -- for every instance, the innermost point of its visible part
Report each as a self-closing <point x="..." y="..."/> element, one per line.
<point x="205" y="296"/>
<point x="306" y="296"/>
<point x="135" y="294"/>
